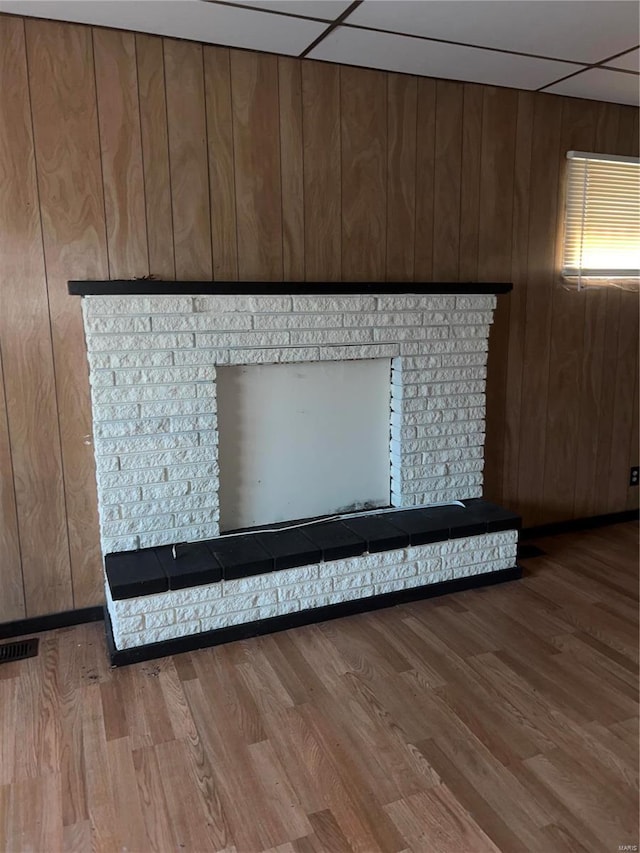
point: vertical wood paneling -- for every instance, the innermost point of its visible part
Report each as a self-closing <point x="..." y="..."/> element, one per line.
<point x="402" y="107"/>
<point x="121" y="152"/>
<point x="25" y="336"/>
<point x="543" y="225"/>
<point x="11" y="589"/>
<point x="322" y="186"/>
<point x="447" y="180"/>
<point x="256" y="142"/>
<point x="292" y="168"/>
<point x="567" y="339"/>
<point x="155" y="155"/>
<point x="518" y="298"/>
<point x="71" y="202"/>
<point x="499" y="120"/>
<point x="217" y="75"/>
<point x="364" y="163"/>
<point x="206" y="162"/>
<point x="188" y="159"/>
<point x="470" y="181"/>
<point x="425" y="146"/>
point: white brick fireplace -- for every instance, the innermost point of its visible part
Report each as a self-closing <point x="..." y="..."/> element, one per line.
<point x="153" y="361"/>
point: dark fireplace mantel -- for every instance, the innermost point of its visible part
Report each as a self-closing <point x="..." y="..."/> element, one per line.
<point x="151" y="287"/>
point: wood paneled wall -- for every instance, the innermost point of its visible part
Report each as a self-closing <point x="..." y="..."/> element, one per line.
<point x="124" y="155"/>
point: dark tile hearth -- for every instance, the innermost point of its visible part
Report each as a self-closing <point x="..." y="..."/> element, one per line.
<point x="137" y="573"/>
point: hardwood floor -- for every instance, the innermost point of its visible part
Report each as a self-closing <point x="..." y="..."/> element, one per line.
<point x="497" y="719"/>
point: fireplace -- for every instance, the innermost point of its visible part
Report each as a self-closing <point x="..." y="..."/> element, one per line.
<point x="164" y="357"/>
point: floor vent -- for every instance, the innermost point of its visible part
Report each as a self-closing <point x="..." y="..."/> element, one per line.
<point x="18" y="651"/>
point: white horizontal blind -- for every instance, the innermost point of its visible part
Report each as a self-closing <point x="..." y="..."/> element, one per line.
<point x="602" y="217"/>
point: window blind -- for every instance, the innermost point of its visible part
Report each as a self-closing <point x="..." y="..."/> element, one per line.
<point x="602" y="217"/>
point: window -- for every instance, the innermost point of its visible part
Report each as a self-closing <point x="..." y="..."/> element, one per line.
<point x="602" y="218"/>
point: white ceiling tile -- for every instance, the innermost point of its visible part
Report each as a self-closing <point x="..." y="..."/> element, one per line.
<point x="630" y="61"/>
<point x="434" y="59"/>
<point x="187" y="19"/>
<point x="579" y="30"/>
<point x="327" y="10"/>
<point x="600" y="84"/>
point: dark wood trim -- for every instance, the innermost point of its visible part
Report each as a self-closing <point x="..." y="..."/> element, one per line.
<point x="124" y="657"/>
<point x="150" y="287"/>
<point x="574" y="524"/>
<point x="36" y="624"/>
<point x="332" y="26"/>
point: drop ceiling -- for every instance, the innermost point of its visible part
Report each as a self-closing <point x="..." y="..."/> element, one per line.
<point x="581" y="48"/>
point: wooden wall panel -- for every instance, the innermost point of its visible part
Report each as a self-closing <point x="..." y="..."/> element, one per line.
<point x="256" y="143"/>
<point x="364" y="164"/>
<point x="155" y="156"/>
<point x="543" y="227"/>
<point x="217" y="74"/>
<point x="184" y="75"/>
<point x="322" y="186"/>
<point x="499" y="116"/>
<point x="447" y="180"/>
<point x="402" y="113"/>
<point x="425" y="145"/>
<point x="121" y="152"/>
<point x="72" y="207"/>
<point x="165" y="157"/>
<point x="28" y="367"/>
<point x="292" y="167"/>
<point x="12" y="604"/>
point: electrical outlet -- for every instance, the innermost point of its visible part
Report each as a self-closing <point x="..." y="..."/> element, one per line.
<point x="634" y="477"/>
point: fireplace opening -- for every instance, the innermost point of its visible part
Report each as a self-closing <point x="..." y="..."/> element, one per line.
<point x="302" y="440"/>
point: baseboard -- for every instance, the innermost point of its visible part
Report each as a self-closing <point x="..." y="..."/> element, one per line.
<point x="576" y="524"/>
<point x="124" y="657"/>
<point x="36" y="624"/>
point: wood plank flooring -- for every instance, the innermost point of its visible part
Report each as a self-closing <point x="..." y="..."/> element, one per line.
<point x="496" y="719"/>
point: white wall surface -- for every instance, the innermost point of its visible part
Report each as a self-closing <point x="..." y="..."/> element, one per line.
<point x="302" y="440"/>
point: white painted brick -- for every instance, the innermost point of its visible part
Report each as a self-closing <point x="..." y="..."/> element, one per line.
<point x="297" y="321"/>
<point x="106" y="463"/>
<point x="179" y="456"/>
<point x="123" y="411"/>
<point x="459" y="481"/>
<point x="333" y="597"/>
<point x="410" y="303"/>
<point x="161" y="491"/>
<point x="119" y="496"/>
<point x="94" y="306"/>
<point x="413" y="347"/>
<point x="300" y="590"/>
<point x="467" y="359"/>
<point x="472" y="318"/>
<point x="120" y="479"/>
<point x="180" y="534"/>
<point x="166" y="376"/>
<point x="457" y="401"/>
<point x="178" y="407"/>
<point x="121" y="324"/>
<point x="331" y="336"/>
<point x="469" y="331"/>
<point x="379" y="318"/>
<point x="324" y="304"/>
<point x="242" y="339"/>
<point x="131" y="526"/>
<point x="151" y="340"/>
<point x="144" y="358"/>
<point x="206" y="389"/>
<point x="109" y="513"/>
<point x="410" y="333"/>
<point x="101" y="378"/>
<point x="178" y="504"/>
<point x="201" y="322"/>
<point x="190" y="472"/>
<point x="143" y="392"/>
<point x="136" y="427"/>
<point x="127" y="624"/>
<point x="274" y="356"/>
<point x="157" y="635"/>
<point x="144" y="443"/>
<point x="475" y="302"/>
<point x="195" y="517"/>
<point x="160" y="618"/>
<point x="252" y="304"/>
<point x="204" y="357"/>
<point x="194" y="423"/>
<point x="362" y="351"/>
